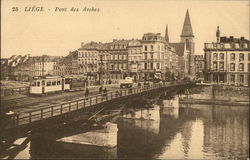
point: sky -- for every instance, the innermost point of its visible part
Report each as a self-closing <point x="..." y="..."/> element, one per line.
<point x="57" y="33"/>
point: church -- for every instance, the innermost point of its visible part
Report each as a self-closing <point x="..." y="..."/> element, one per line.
<point x="184" y="48"/>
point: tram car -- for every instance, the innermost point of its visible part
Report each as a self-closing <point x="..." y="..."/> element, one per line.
<point x="48" y="84"/>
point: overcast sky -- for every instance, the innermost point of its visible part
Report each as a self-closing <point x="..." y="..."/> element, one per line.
<point x="57" y="33"/>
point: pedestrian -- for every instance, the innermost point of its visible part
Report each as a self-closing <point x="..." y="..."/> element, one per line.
<point x="87" y="93"/>
<point x="117" y="93"/>
<point x="105" y="92"/>
<point x="139" y="84"/>
<point x="100" y="90"/>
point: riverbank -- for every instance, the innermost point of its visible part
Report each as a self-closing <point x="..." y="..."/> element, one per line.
<point x="214" y="102"/>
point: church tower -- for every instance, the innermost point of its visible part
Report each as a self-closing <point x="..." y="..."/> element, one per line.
<point x="187" y="35"/>
<point x="166" y="34"/>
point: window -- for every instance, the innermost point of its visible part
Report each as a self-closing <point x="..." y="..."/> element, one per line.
<point x="158" y="48"/>
<point x="53" y="83"/>
<point x="215" y="66"/>
<point x="145" y="48"/>
<point x="58" y="82"/>
<point x="232" y="56"/>
<point x="151" y="55"/>
<point x="38" y="84"/>
<point x="215" y="56"/>
<point x="48" y="83"/>
<point x="241" y="57"/>
<point x="151" y="65"/>
<point x="248" y="67"/>
<point x="151" y="47"/>
<point x="33" y="84"/>
<point x="248" y="56"/>
<point x="241" y="66"/>
<point x="158" y="66"/>
<point x="241" y="78"/>
<point x="145" y="66"/>
<point x="158" y="55"/>
<point x="221" y="56"/>
<point x="232" y="78"/>
<point x="145" y="56"/>
<point x="232" y="67"/>
<point x="221" y="66"/>
<point x="187" y="44"/>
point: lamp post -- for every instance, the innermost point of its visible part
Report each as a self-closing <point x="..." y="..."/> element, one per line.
<point x="101" y="74"/>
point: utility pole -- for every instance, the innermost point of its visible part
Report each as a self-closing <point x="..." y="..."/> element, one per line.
<point x="101" y="78"/>
<point x="42" y="65"/>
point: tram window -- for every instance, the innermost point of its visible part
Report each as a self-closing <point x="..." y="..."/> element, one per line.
<point x="53" y="83"/>
<point x="67" y="81"/>
<point x="48" y="83"/>
<point x="38" y="84"/>
<point x="33" y="84"/>
<point x="43" y="83"/>
<point x="58" y="82"/>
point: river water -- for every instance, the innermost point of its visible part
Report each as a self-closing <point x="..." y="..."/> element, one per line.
<point x="183" y="131"/>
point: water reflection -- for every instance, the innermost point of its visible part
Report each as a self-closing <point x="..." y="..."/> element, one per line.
<point x="189" y="131"/>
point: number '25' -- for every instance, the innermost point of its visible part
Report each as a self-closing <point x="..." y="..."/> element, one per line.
<point x="14" y="9"/>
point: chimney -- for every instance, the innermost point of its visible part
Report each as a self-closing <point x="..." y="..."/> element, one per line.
<point x="218" y="34"/>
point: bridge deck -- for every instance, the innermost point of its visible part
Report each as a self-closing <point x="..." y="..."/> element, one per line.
<point x="62" y="108"/>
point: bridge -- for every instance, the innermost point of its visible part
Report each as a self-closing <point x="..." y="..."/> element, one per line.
<point x="59" y="113"/>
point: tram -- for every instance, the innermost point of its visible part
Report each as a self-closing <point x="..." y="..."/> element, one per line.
<point x="47" y="84"/>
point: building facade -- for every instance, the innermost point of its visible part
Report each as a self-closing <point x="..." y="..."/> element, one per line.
<point x="156" y="56"/>
<point x="198" y="65"/>
<point x="103" y="64"/>
<point x="87" y="61"/>
<point x="227" y="61"/>
<point x="135" y="59"/>
<point x="118" y="63"/>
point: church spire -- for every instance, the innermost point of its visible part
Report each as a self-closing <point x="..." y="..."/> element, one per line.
<point x="166" y="34"/>
<point x="187" y="27"/>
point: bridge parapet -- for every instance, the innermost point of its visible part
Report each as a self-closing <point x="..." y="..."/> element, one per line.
<point x="27" y="118"/>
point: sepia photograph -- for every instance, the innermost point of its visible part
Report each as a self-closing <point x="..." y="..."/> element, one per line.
<point x="125" y="79"/>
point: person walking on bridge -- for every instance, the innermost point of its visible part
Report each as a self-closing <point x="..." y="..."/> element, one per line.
<point x="105" y="92"/>
<point x="100" y="90"/>
<point x="87" y="93"/>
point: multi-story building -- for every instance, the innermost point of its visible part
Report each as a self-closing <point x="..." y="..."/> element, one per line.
<point x="63" y="67"/>
<point x="43" y="65"/>
<point x="103" y="64"/>
<point x="156" y="56"/>
<point x="118" y="64"/>
<point x="135" y="59"/>
<point x="25" y="67"/>
<point x="227" y="61"/>
<point x="88" y="60"/>
<point x="4" y="69"/>
<point x="199" y="65"/>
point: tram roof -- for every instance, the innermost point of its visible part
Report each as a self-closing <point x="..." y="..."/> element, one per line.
<point x="46" y="77"/>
